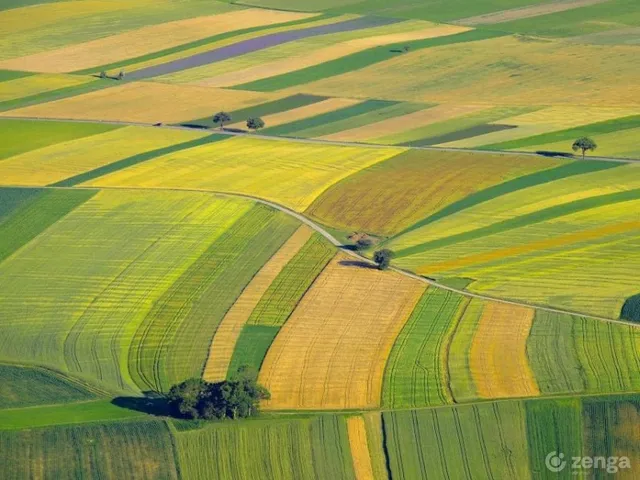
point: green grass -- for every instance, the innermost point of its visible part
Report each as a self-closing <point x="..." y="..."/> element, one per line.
<point x="538" y="178"/>
<point x="543" y="215"/>
<point x="462" y="385"/>
<point x="317" y="125"/>
<point x="172" y="342"/>
<point x="358" y="61"/>
<point x="136" y="159"/>
<point x="251" y="346"/>
<point x="283" y="449"/>
<point x="284" y="293"/>
<point x="35" y="215"/>
<point x="462" y="134"/>
<point x="12" y="198"/>
<point x="416" y="373"/>
<point x="29" y="386"/>
<point x="631" y="309"/>
<point x="479" y="441"/>
<point x="135" y="449"/>
<point x="262" y="110"/>
<point x="6" y="75"/>
<point x="63" y="414"/>
<point x="553" y="426"/>
<point x="20" y="136"/>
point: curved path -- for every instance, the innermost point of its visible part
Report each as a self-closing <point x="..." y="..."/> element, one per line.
<point x="318" y="228"/>
<point x="315" y="140"/>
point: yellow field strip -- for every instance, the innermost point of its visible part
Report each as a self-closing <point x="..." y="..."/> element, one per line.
<point x="295" y="114"/>
<point x="224" y="340"/>
<point x="332" y="351"/>
<point x="146" y="40"/>
<point x="35" y="84"/>
<point x="359" y="448"/>
<point x="499" y="364"/>
<point x="323" y="55"/>
<point x="146" y="102"/>
<point x="386" y="128"/>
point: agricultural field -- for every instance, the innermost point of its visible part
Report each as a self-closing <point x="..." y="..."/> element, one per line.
<point x="348" y="239"/>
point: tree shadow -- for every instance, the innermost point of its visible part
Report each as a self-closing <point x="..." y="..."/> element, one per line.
<point x="547" y="153"/>
<point x="151" y="404"/>
<point x="195" y="125"/>
<point x="358" y="264"/>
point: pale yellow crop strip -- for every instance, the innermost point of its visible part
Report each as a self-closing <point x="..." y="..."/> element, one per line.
<point x="359" y="448"/>
<point x="35" y="84"/>
<point x="499" y="364"/>
<point x="229" y="330"/>
<point x="146" y="40"/>
<point x="332" y="351"/>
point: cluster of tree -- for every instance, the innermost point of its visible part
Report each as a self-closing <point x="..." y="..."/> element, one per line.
<point x="383" y="258"/>
<point x="253" y="123"/>
<point x="236" y="398"/>
<point x="120" y="75"/>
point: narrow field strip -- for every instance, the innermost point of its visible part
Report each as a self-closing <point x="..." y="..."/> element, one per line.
<point x="146" y="40"/>
<point x="38" y="84"/>
<point x="228" y="332"/>
<point x="13" y="198"/>
<point x="251" y="347"/>
<point x="7" y="75"/>
<point x="416" y="372"/>
<point x="502" y="334"/>
<point x="375" y="442"/>
<point x="359" y="448"/>
<point x="53" y="95"/>
<point x="255" y="44"/>
<point x="52" y="164"/>
<point x="332" y="351"/>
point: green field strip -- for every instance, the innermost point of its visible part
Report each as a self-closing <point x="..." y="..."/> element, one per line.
<point x="538" y="178"/>
<point x="29" y="386"/>
<point x="375" y="116"/>
<point x="474" y="441"/>
<point x="462" y="134"/>
<point x="261" y="110"/>
<point x="172" y="342"/>
<point x="285" y="292"/>
<point x="357" y="61"/>
<point x="525" y="220"/>
<point x="135" y="159"/>
<point x="553" y="426"/>
<point x="6" y="75"/>
<point x="12" y="198"/>
<point x="416" y="374"/>
<point x="58" y="94"/>
<point x="375" y="444"/>
<point x="252" y="346"/>
<point x="461" y="381"/>
<point x="280" y="449"/>
<point x="307" y="126"/>
<point x="631" y="309"/>
<point x="199" y="43"/>
<point x="63" y="414"/>
<point x="20" y="136"/>
<point x="130" y="449"/>
<point x="37" y="214"/>
<point x="570" y="134"/>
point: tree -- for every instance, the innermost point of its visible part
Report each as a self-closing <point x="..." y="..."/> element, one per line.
<point x="584" y="144"/>
<point x="383" y="258"/>
<point x="255" y="123"/>
<point x="103" y="74"/>
<point x="221" y="118"/>
<point x="364" y="242"/>
<point x="238" y="397"/>
<point x="406" y="48"/>
<point x="121" y="75"/>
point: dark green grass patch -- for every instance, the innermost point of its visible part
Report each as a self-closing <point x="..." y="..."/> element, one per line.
<point x="305" y="127"/>
<point x="284" y="293"/>
<point x="294" y="449"/>
<point x="538" y="178"/>
<point x="6" y="75"/>
<point x="252" y="346"/>
<point x="570" y="134"/>
<point x="415" y="374"/>
<point x="13" y="198"/>
<point x="358" y="61"/>
<point x="525" y="220"/>
<point x="36" y="215"/>
<point x="9" y="4"/>
<point x="553" y="426"/>
<point x="631" y="309"/>
<point x="470" y="132"/>
<point x="28" y="386"/>
<point x="261" y="110"/>
<point x="20" y="136"/>
<point x="135" y="159"/>
<point x="134" y="449"/>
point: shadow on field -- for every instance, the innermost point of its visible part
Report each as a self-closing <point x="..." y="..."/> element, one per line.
<point x="151" y="404"/>
<point x="547" y="153"/>
<point x="358" y="264"/>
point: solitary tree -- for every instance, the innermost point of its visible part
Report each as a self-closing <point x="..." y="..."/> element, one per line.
<point x="383" y="258"/>
<point x="103" y="74"/>
<point x="584" y="144"/>
<point x="121" y="75"/>
<point x="221" y="118"/>
<point x="255" y="123"/>
<point x="364" y="242"/>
